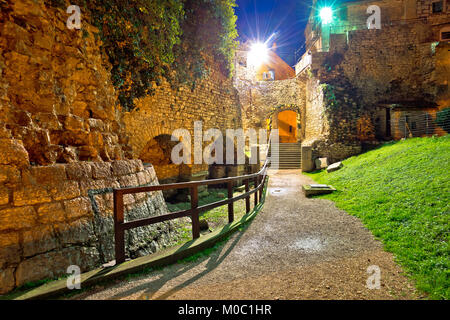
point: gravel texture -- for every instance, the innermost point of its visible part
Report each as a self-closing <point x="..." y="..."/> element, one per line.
<point x="295" y="248"/>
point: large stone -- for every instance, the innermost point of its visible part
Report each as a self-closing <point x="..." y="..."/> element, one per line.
<point x="79" y="171"/>
<point x="321" y="163"/>
<point x="9" y="248"/>
<point x="50" y="213"/>
<point x="30" y="194"/>
<point x="334" y="167"/>
<point x="13" y="152"/>
<point x="39" y="268"/>
<point x="39" y="240"/>
<point x="7" y="281"/>
<point x="78" y="207"/>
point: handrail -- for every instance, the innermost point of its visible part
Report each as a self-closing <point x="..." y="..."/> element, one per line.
<point x="120" y="226"/>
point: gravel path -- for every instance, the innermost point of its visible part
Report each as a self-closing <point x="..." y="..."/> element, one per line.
<point x="295" y="248"/>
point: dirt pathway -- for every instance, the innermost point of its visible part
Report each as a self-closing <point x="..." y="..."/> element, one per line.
<point x="295" y="248"/>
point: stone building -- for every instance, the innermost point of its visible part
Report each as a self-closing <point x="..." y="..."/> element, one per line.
<point x="361" y="81"/>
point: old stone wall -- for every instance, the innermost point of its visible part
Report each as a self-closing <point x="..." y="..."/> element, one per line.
<point x="56" y="94"/>
<point x="65" y="143"/>
<point x="260" y="99"/>
<point x="214" y="101"/>
<point x="365" y="72"/>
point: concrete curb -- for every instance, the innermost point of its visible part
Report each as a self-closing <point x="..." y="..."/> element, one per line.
<point x="159" y="259"/>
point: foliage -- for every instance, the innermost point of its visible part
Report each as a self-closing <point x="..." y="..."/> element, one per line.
<point x="209" y="26"/>
<point x="443" y="119"/>
<point x="148" y="41"/>
<point x="401" y="193"/>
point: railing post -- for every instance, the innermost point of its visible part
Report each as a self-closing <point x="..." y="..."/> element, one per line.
<point x="230" y="205"/>
<point x="247" y="199"/>
<point x="255" y="181"/>
<point x="119" y="234"/>
<point x="194" y="216"/>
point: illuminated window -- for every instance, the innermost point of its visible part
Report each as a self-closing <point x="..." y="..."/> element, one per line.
<point x="438" y="7"/>
<point x="269" y="75"/>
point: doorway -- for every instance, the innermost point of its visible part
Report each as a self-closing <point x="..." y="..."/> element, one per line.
<point x="287" y="126"/>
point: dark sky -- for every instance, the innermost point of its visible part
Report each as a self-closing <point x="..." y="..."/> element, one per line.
<point x="258" y="19"/>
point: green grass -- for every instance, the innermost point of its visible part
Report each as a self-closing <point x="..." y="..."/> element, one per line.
<point x="401" y="192"/>
<point x="217" y="217"/>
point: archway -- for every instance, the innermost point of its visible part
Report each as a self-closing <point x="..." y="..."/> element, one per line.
<point x="288" y="120"/>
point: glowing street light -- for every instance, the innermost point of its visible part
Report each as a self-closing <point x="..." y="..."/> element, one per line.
<point x="326" y="15"/>
<point x="258" y="54"/>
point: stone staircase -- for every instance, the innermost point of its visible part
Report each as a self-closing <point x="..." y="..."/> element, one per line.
<point x="290" y="156"/>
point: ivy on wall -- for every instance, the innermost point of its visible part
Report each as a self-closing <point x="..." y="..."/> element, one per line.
<point x="151" y="40"/>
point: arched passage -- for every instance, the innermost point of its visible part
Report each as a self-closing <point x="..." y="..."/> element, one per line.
<point x="288" y="120"/>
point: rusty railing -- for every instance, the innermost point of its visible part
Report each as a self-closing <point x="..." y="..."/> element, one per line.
<point x="120" y="226"/>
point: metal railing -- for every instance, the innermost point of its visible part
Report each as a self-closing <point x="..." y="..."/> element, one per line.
<point x="120" y="226"/>
<point x="418" y="125"/>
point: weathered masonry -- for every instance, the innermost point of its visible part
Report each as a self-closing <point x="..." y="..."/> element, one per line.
<point x="65" y="142"/>
<point x="360" y="82"/>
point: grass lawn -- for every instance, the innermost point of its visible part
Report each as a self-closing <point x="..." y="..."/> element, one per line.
<point x="401" y="192"/>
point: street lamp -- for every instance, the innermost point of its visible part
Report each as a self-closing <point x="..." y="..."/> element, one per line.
<point x="258" y="54"/>
<point x="326" y="15"/>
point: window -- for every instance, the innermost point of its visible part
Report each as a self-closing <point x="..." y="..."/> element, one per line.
<point x="438" y="7"/>
<point x="269" y="75"/>
<point x="445" y="34"/>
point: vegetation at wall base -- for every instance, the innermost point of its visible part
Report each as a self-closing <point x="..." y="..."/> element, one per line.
<point x="401" y="192"/>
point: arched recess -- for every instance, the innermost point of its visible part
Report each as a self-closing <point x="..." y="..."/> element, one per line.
<point x="273" y="121"/>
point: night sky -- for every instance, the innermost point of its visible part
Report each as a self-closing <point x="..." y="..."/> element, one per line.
<point x="258" y="19"/>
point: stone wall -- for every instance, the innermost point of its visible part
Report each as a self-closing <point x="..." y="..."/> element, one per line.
<point x="260" y="99"/>
<point x="56" y="95"/>
<point x="366" y="71"/>
<point x="214" y="101"/>
<point x="55" y="216"/>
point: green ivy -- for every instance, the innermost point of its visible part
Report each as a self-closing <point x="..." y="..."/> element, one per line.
<point x="151" y="40"/>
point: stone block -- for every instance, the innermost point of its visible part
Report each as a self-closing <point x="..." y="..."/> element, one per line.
<point x="30" y="194"/>
<point x="38" y="267"/>
<point x="65" y="190"/>
<point x="334" y="167"/>
<point x="79" y="171"/>
<point x="79" y="232"/>
<point x="13" y="152"/>
<point x="9" y="248"/>
<point x="7" y="281"/>
<point x="50" y="213"/>
<point x="39" y="240"/>
<point x="49" y="174"/>
<point x="4" y="195"/>
<point x="17" y="218"/>
<point x="78" y="207"/>
<point x="9" y="175"/>
<point x="101" y="170"/>
<point x="122" y="167"/>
